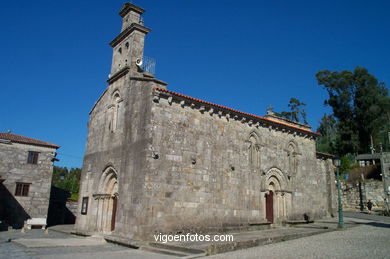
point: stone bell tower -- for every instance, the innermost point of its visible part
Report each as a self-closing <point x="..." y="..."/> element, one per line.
<point x="128" y="46"/>
<point x="119" y="136"/>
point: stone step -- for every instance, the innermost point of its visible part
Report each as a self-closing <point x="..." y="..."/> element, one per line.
<point x="296" y="222"/>
<point x="163" y="251"/>
<point x="125" y="241"/>
<point x="181" y="252"/>
<point x="238" y="228"/>
<point x="183" y="249"/>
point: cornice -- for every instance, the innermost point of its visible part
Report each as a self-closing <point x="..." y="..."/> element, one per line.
<point x="231" y="114"/>
<point x="118" y="74"/>
<point x="127" y="7"/>
<point x="150" y="79"/>
<point x="127" y="32"/>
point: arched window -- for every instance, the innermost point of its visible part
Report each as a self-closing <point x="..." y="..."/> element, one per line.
<point x="292" y="158"/>
<point x="254" y="151"/>
<point x="114" y="112"/>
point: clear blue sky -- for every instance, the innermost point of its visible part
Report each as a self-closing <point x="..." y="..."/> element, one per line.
<point x="245" y="54"/>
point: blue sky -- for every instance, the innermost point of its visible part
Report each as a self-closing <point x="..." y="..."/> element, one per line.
<point x="245" y="54"/>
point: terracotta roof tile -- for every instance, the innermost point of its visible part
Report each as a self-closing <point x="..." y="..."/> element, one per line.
<point x="25" y="140"/>
<point x="236" y="111"/>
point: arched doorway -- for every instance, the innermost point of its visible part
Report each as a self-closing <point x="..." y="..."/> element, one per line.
<point x="269" y="206"/>
<point x="107" y="200"/>
<point x="277" y="198"/>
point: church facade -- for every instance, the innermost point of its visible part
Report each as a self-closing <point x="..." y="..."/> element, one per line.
<point x="157" y="161"/>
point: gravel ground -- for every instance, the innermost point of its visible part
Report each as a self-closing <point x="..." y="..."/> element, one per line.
<point x="366" y="241"/>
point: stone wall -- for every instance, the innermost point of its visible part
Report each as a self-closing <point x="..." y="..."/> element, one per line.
<point x="122" y="150"/>
<point x="192" y="184"/>
<point x="178" y="168"/>
<point x="14" y="168"/>
<point x="72" y="206"/>
<point x="371" y="189"/>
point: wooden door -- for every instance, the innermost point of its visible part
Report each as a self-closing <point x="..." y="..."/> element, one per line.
<point x="269" y="207"/>
<point x="113" y="217"/>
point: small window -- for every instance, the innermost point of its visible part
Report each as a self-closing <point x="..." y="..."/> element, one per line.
<point x="22" y="189"/>
<point x="32" y="157"/>
<point x="84" y="206"/>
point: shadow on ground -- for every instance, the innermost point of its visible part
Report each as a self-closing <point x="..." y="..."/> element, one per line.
<point x="375" y="224"/>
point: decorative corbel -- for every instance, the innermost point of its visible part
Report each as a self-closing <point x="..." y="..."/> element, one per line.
<point x="156" y="98"/>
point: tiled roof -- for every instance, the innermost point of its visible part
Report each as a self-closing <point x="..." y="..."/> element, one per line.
<point x="25" y="140"/>
<point x="324" y="155"/>
<point x="239" y="112"/>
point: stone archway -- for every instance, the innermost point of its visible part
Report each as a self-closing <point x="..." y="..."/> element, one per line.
<point x="107" y="198"/>
<point x="277" y="199"/>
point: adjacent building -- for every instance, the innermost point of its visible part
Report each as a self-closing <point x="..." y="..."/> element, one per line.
<point x="26" y="167"/>
<point x="158" y="161"/>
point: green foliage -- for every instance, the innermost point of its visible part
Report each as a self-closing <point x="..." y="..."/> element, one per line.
<point x="74" y="196"/>
<point x="328" y="129"/>
<point x="361" y="106"/>
<point x="347" y="163"/>
<point x="67" y="179"/>
<point x="297" y="112"/>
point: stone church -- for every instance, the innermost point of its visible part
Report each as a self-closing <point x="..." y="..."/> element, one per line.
<point x="158" y="161"/>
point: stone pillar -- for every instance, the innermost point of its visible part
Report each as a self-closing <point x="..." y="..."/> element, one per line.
<point x="99" y="214"/>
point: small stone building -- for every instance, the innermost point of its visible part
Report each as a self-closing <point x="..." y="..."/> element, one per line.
<point x="26" y="167"/>
<point x="157" y="161"/>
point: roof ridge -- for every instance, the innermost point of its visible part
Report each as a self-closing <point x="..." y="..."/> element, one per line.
<point x="26" y="140"/>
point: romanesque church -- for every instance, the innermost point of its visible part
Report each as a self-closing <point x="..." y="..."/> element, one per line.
<point x="158" y="161"/>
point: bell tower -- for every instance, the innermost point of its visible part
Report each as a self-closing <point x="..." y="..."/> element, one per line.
<point x="128" y="46"/>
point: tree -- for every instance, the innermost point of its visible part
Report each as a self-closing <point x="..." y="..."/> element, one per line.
<point x="67" y="179"/>
<point x="360" y="104"/>
<point x="297" y="112"/>
<point x="328" y="129"/>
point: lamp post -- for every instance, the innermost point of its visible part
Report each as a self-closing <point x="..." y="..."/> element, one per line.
<point x="341" y="217"/>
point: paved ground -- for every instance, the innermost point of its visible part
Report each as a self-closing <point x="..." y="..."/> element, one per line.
<point x="365" y="215"/>
<point x="369" y="239"/>
<point x="245" y="239"/>
<point x="10" y="250"/>
<point x="59" y="242"/>
<point x="365" y="241"/>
